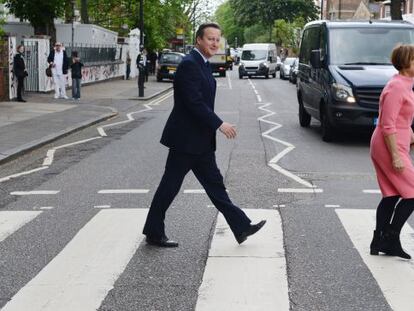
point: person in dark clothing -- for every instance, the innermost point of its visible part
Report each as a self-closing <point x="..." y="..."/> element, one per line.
<point x="19" y="70"/>
<point x="190" y="133"/>
<point x="153" y="59"/>
<point x="76" y="68"/>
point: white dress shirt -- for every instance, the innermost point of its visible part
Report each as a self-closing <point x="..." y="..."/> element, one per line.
<point x="58" y="61"/>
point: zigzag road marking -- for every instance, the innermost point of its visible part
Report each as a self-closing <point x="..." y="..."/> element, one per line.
<point x="51" y="152"/>
<point x="289" y="147"/>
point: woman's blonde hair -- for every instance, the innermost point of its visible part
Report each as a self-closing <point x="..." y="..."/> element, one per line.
<point x="402" y="56"/>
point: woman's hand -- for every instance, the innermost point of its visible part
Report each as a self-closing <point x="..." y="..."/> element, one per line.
<point x="397" y="164"/>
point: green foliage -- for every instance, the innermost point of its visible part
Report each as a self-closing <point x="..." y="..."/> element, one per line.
<point x="224" y="16"/>
<point x="38" y="12"/>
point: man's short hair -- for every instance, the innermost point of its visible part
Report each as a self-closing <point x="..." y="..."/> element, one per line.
<point x="402" y="56"/>
<point x="200" y="30"/>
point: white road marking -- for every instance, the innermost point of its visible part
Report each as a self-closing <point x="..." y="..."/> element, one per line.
<point x="394" y="276"/>
<point x="123" y="191"/>
<point x="228" y="79"/>
<point x="23" y="173"/>
<point x="289" y="147"/>
<point x="372" y="191"/>
<point x="195" y="191"/>
<point x="332" y="205"/>
<point x="11" y="221"/>
<point x="81" y="275"/>
<point x="259" y="98"/>
<point x="51" y="152"/>
<point x="102" y="206"/>
<point x="130" y="117"/>
<point x="210" y="205"/>
<point x="244" y="277"/>
<point x="299" y="190"/>
<point x="42" y="192"/>
<point x="47" y="207"/>
<point x="281" y="205"/>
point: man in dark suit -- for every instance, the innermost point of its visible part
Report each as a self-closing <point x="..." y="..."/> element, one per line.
<point x="19" y="70"/>
<point x="190" y="133"/>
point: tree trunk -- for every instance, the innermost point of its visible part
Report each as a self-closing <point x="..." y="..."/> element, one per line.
<point x="68" y="12"/>
<point x="84" y="12"/>
<point x="396" y="10"/>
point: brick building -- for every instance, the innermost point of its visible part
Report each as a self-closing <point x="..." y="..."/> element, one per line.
<point x="348" y="9"/>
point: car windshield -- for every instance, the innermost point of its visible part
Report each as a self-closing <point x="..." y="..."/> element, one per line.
<point x="289" y="61"/>
<point x="171" y="58"/>
<point x="366" y="46"/>
<point x="254" y="54"/>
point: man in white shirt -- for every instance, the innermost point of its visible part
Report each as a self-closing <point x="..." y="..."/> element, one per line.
<point x="58" y="61"/>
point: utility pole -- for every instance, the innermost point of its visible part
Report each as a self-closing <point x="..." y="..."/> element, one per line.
<point x="141" y="67"/>
<point x="322" y="9"/>
<point x="73" y="24"/>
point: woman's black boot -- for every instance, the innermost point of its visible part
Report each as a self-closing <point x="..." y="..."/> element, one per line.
<point x="375" y="244"/>
<point x="391" y="245"/>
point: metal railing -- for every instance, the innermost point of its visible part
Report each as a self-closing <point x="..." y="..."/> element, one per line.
<point x="95" y="53"/>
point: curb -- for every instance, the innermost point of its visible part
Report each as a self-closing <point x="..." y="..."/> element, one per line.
<point x="152" y="96"/>
<point x="18" y="151"/>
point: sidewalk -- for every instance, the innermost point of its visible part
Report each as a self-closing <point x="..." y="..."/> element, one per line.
<point x="25" y="126"/>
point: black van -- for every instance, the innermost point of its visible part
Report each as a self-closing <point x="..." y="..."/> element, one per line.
<point x="343" y="67"/>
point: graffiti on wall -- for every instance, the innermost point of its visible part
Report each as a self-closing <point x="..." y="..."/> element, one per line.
<point x="12" y="81"/>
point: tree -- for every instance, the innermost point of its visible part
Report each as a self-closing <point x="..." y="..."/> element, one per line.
<point x="233" y="32"/>
<point x="39" y="13"/>
<point x="84" y="12"/>
<point x="266" y="12"/>
<point x="396" y="13"/>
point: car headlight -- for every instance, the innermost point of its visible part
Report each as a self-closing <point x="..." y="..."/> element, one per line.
<point x="264" y="65"/>
<point x="241" y="64"/>
<point x="343" y="93"/>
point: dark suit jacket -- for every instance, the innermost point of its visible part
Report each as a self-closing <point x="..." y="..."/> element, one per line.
<point x="192" y="125"/>
<point x="19" y="66"/>
<point x="65" y="66"/>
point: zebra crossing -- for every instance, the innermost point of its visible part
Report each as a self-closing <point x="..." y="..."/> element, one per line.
<point x="252" y="276"/>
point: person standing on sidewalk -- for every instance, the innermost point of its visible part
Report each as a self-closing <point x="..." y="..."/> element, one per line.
<point x="190" y="133"/>
<point x="390" y="154"/>
<point x="58" y="60"/>
<point x="19" y="70"/>
<point x="76" y="68"/>
<point x="128" y="66"/>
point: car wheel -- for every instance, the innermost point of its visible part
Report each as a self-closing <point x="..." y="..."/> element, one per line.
<point x="274" y="74"/>
<point x="304" y="116"/>
<point x="240" y="76"/>
<point x="328" y="132"/>
<point x="281" y="75"/>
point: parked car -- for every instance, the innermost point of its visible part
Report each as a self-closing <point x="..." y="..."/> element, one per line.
<point x="294" y="71"/>
<point x="167" y="65"/>
<point x="258" y="59"/>
<point x="285" y="67"/>
<point x="343" y="67"/>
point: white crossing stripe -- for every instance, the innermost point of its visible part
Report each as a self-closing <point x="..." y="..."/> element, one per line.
<point x="35" y="192"/>
<point x="394" y="276"/>
<point x="81" y="275"/>
<point x="299" y="190"/>
<point x="195" y="191"/>
<point x="372" y="191"/>
<point x="247" y="277"/>
<point x="123" y="191"/>
<point x="11" y="221"/>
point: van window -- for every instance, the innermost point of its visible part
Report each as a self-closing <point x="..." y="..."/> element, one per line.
<point x="254" y="55"/>
<point x="366" y="45"/>
<point x="310" y="41"/>
<point x="323" y="42"/>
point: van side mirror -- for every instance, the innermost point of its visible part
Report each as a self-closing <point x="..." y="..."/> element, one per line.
<point x="270" y="59"/>
<point x="315" y="59"/>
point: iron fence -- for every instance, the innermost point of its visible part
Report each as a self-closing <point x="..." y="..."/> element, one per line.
<point x="93" y="53"/>
<point x="31" y="58"/>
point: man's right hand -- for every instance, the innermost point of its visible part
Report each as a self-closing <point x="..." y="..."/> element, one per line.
<point x="228" y="130"/>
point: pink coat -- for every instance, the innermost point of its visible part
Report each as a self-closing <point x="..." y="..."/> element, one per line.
<point x="396" y="112"/>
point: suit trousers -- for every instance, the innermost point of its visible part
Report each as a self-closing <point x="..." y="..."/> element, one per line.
<point x="206" y="171"/>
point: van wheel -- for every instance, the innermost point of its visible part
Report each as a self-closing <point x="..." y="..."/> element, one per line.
<point x="240" y="76"/>
<point x="304" y="116"/>
<point x="274" y="74"/>
<point x="328" y="131"/>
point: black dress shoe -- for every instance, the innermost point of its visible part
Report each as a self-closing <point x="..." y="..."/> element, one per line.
<point x="250" y="231"/>
<point x="164" y="242"/>
<point x="21" y="100"/>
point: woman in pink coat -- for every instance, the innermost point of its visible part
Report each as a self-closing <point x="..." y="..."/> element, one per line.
<point x="390" y="147"/>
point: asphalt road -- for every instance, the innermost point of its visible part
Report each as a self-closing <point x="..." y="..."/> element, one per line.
<point x="307" y="183"/>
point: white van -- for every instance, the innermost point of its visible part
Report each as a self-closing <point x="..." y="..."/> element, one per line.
<point x="258" y="59"/>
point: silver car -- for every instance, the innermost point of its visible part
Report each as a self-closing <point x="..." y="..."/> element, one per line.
<point x="285" y="67"/>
